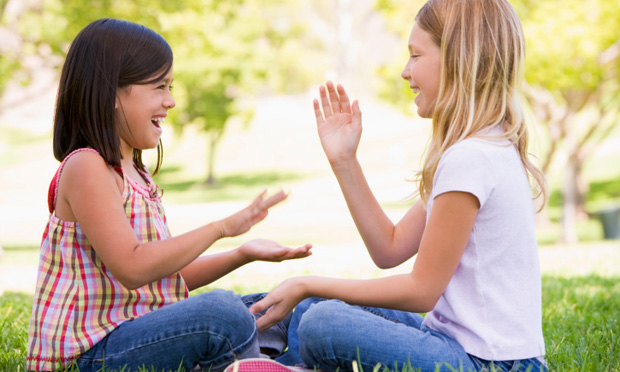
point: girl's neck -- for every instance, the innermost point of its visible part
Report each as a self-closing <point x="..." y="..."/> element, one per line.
<point x="128" y="165"/>
<point x="126" y="155"/>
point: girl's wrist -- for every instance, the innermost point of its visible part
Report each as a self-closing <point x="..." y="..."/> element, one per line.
<point x="220" y="228"/>
<point x="241" y="257"/>
<point x="342" y="164"/>
<point x="305" y="285"/>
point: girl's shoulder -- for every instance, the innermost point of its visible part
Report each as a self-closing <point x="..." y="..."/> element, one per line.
<point x="84" y="174"/>
<point x="481" y="145"/>
<point x="86" y="163"/>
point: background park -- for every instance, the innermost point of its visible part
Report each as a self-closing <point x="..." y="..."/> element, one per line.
<point x="246" y="72"/>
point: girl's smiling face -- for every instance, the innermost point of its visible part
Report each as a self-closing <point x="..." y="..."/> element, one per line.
<point x="423" y="70"/>
<point x="140" y="111"/>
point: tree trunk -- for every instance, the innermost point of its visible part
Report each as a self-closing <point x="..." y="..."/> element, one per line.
<point x="214" y="139"/>
<point x="570" y="191"/>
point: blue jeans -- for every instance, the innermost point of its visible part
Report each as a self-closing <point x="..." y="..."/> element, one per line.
<point x="211" y="329"/>
<point x="329" y="334"/>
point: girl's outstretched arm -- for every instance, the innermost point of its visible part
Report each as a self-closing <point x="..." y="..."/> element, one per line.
<point x="339" y="124"/>
<point x="89" y="193"/>
<point x="442" y="247"/>
<point x="207" y="269"/>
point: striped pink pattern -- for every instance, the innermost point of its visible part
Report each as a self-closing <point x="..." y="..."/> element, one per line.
<point x="77" y="300"/>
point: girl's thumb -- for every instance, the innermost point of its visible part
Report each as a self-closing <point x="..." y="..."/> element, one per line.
<point x="256" y="308"/>
<point x="355" y="110"/>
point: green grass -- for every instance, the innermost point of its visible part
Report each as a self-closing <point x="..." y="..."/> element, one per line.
<point x="180" y="188"/>
<point x="581" y="318"/>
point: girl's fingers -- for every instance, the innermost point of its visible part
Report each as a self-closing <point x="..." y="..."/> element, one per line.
<point x="345" y="105"/>
<point x="273" y="200"/>
<point x="334" y="100"/>
<point x="327" y="109"/>
<point x="301" y="252"/>
<point x="333" y="97"/>
<point x="318" y="113"/>
<point x="260" y="306"/>
<point x="264" y="322"/>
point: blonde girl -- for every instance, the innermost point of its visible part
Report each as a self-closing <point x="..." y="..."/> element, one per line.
<point x="112" y="287"/>
<point x="476" y="274"/>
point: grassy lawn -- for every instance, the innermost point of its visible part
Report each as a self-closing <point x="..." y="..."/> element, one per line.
<point x="581" y="318"/>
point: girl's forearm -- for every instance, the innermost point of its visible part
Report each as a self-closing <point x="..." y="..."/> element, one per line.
<point x="158" y="259"/>
<point x="398" y="292"/>
<point x="376" y="229"/>
<point x="207" y="269"/>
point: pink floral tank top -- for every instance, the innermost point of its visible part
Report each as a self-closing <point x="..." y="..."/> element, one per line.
<point x="77" y="301"/>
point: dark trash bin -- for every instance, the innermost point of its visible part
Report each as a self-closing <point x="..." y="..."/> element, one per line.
<point x="610" y="219"/>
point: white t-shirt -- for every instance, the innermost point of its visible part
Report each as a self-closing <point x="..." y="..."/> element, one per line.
<point x="492" y="305"/>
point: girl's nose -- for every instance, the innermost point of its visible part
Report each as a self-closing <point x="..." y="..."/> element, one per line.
<point x="170" y="102"/>
<point x="405" y="73"/>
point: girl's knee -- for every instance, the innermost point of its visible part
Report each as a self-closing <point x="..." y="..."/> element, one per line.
<point x="223" y="307"/>
<point x="321" y="323"/>
<point x="324" y="312"/>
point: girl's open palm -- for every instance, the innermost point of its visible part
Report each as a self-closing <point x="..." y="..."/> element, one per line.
<point x="272" y="251"/>
<point x="339" y="123"/>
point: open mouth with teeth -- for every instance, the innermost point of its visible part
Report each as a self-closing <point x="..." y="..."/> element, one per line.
<point x="158" y="121"/>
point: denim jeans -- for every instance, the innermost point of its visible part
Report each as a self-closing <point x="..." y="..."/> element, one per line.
<point x="329" y="334"/>
<point x="211" y="329"/>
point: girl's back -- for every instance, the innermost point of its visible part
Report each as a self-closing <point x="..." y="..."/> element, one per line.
<point x="77" y="299"/>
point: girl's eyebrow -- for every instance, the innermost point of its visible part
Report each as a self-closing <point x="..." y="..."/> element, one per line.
<point x="165" y="81"/>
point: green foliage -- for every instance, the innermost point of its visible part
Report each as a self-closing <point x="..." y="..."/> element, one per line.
<point x="394" y="89"/>
<point x="9" y="48"/>
<point x="570" y="62"/>
<point x="225" y="51"/>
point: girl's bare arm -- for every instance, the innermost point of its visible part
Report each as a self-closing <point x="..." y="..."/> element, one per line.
<point x="441" y="249"/>
<point x="339" y="124"/>
<point x="88" y="192"/>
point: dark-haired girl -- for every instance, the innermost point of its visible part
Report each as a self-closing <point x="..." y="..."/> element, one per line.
<point x="112" y="287"/>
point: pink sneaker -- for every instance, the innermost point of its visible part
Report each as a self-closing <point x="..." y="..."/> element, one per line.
<point x="262" y="365"/>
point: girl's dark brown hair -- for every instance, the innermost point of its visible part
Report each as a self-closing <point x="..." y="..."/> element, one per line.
<point x="106" y="55"/>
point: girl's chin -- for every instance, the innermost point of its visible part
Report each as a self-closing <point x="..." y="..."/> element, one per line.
<point x="424" y="113"/>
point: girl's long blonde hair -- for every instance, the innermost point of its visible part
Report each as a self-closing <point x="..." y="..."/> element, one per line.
<point x="482" y="59"/>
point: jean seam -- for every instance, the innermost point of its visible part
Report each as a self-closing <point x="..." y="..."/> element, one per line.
<point x="378" y="313"/>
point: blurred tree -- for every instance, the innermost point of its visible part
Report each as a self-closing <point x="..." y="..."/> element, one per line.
<point x="573" y="86"/>
<point x="229" y="50"/>
<point x="400" y="18"/>
<point x="11" y="51"/>
<point x="225" y="50"/>
<point x="572" y="71"/>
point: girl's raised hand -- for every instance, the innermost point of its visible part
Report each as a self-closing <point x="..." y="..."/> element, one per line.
<point x="249" y="216"/>
<point x="271" y="251"/>
<point x="339" y="123"/>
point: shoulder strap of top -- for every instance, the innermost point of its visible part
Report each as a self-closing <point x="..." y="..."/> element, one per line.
<point x="52" y="193"/>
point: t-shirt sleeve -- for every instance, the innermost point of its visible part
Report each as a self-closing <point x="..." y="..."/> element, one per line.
<point x="465" y="168"/>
